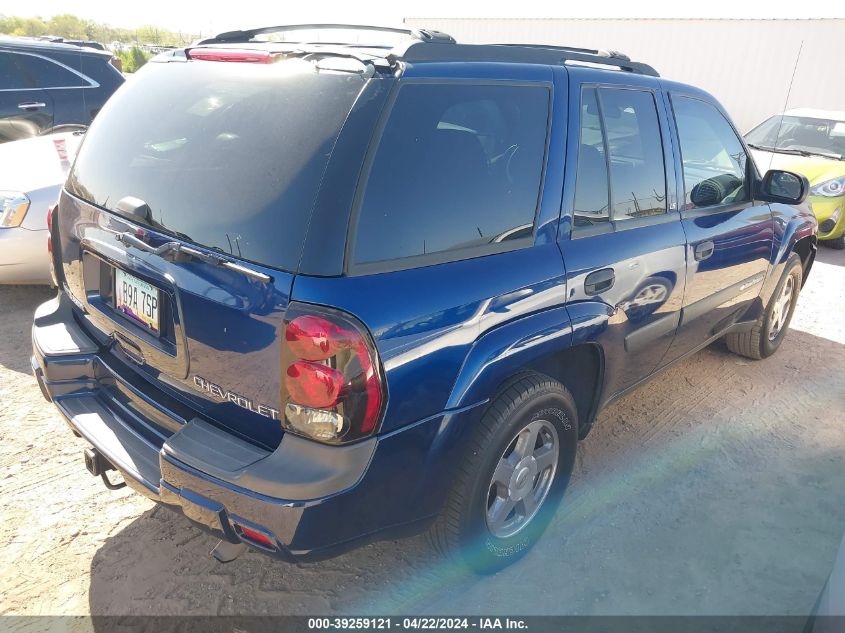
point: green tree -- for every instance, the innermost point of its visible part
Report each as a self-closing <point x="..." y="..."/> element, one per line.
<point x="76" y="28"/>
<point x="68" y="26"/>
<point x="133" y="59"/>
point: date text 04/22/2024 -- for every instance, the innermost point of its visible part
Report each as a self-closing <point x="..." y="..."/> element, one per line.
<point x="417" y="623"/>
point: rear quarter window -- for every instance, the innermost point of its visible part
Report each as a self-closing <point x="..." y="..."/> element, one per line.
<point x="46" y="73"/>
<point x="457" y="173"/>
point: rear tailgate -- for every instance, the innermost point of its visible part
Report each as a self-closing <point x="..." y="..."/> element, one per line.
<point x="183" y="221"/>
<point x="216" y="345"/>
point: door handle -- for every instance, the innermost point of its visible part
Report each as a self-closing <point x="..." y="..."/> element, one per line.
<point x="703" y="250"/>
<point x="31" y="105"/>
<point x="599" y="281"/>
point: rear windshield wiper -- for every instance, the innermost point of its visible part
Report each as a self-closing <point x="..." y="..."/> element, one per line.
<point x="170" y="248"/>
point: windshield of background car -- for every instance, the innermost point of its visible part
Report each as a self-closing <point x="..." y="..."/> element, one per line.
<point x="226" y="155"/>
<point x="808" y="134"/>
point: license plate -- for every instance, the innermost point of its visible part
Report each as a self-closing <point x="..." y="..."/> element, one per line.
<point x="137" y="300"/>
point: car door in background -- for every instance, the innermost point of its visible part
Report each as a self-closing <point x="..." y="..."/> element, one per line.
<point x="625" y="256"/>
<point x="729" y="234"/>
<point x="65" y="86"/>
<point x="25" y="109"/>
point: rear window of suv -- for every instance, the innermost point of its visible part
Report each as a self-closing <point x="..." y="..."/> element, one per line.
<point x="229" y="156"/>
<point x="456" y="174"/>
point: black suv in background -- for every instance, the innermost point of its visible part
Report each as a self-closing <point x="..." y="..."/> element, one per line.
<point x="46" y="85"/>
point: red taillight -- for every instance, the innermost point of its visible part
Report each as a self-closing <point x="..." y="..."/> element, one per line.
<point x="373" y="389"/>
<point x="231" y="55"/>
<point x="312" y="384"/>
<point x="315" y="338"/>
<point x="333" y="389"/>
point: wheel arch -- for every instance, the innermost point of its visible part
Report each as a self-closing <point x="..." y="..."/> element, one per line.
<point x="533" y="345"/>
<point x="580" y="369"/>
<point x="799" y="236"/>
<point x="806" y="249"/>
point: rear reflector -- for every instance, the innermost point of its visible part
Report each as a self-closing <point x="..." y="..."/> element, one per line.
<point x="254" y="536"/>
<point x="230" y="55"/>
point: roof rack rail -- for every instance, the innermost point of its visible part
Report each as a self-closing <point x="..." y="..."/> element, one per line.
<point x="525" y="53"/>
<point x="573" y="49"/>
<point x="423" y="35"/>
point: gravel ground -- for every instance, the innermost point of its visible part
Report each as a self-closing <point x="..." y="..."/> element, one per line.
<point x="718" y="488"/>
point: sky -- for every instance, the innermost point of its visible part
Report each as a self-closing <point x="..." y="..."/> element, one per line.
<point x="213" y="16"/>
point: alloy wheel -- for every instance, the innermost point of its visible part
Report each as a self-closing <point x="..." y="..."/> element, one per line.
<point x="522" y="478"/>
<point x="780" y="309"/>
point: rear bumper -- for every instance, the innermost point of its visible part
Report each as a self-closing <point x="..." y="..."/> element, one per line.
<point x="311" y="500"/>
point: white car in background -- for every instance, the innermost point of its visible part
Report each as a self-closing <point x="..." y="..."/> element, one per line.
<point x="32" y="173"/>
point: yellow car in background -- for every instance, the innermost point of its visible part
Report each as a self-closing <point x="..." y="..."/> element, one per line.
<point x="812" y="143"/>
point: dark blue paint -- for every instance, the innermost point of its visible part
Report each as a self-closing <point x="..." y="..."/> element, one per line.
<point x="448" y="335"/>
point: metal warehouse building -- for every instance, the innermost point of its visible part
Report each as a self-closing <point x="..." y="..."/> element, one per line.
<point x="746" y="64"/>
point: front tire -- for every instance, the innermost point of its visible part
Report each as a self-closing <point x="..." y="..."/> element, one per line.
<point x="512" y="476"/>
<point x="764" y="339"/>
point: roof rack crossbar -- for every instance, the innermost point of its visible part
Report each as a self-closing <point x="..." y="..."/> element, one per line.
<point x="423" y="35"/>
<point x="538" y="54"/>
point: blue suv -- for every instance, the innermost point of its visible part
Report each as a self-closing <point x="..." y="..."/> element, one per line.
<point x="314" y="294"/>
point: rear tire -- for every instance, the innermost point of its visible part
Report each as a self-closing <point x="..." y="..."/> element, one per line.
<point x="512" y="476"/>
<point x="764" y="339"/>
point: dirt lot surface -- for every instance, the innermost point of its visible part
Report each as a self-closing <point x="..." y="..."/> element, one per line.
<point x="718" y="488"/>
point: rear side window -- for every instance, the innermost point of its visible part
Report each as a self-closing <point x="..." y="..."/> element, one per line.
<point x="458" y="169"/>
<point x="637" y="171"/>
<point x="229" y="156"/>
<point x="714" y="160"/>
<point x="592" y="194"/>
<point x="11" y="76"/>
<point x="619" y="128"/>
<point x="48" y="74"/>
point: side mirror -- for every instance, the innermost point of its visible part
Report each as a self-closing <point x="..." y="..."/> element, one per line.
<point x="784" y="186"/>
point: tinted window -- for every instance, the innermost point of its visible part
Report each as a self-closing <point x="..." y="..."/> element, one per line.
<point x="591" y="192"/>
<point x="47" y="74"/>
<point x="715" y="164"/>
<point x="11" y="75"/>
<point x="622" y="126"/>
<point x="458" y="166"/>
<point x="637" y="171"/>
<point x="229" y="155"/>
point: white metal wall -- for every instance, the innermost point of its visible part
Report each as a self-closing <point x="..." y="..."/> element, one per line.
<point x="746" y="64"/>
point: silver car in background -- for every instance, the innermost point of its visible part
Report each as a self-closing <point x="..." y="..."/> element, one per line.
<point x="32" y="173"/>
